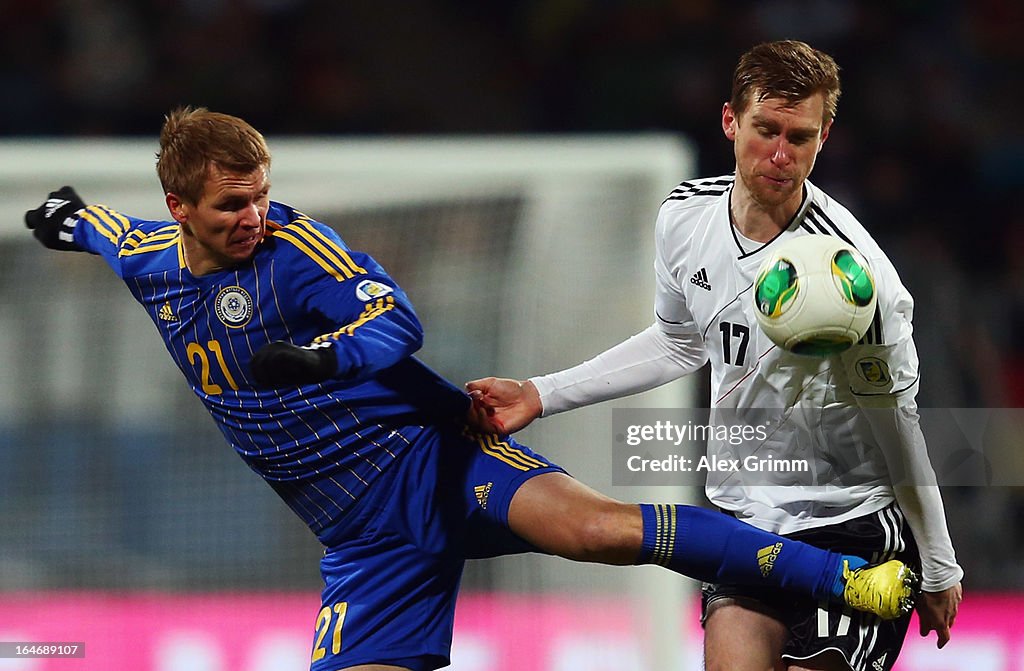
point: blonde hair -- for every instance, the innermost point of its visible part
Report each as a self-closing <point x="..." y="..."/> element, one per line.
<point x="787" y="69"/>
<point x="193" y="138"/>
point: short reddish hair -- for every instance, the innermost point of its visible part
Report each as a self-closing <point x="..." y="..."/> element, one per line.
<point x="193" y="138"/>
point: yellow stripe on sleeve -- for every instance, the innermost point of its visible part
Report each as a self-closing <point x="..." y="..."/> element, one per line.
<point x="331" y="270"/>
<point x="131" y="241"/>
<point x="337" y="249"/>
<point x="370" y="312"/>
<point x="118" y="221"/>
<point x="134" y="238"/>
<point x="162" y="238"/>
<point x="150" y="246"/>
<point x="331" y="251"/>
<point x="89" y="216"/>
<point x="157" y="237"/>
<point x="115" y="223"/>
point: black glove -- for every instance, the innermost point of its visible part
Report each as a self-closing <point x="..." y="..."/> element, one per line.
<point x="282" y="364"/>
<point x="53" y="222"/>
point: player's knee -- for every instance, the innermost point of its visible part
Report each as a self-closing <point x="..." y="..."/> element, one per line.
<point x="606" y="535"/>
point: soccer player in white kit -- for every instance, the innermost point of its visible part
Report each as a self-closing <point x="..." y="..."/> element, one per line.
<point x="852" y="417"/>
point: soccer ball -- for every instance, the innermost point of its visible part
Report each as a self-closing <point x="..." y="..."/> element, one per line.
<point x="815" y="295"/>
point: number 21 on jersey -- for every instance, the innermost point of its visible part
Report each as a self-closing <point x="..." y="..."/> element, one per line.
<point x="197" y="354"/>
<point x="329" y="614"/>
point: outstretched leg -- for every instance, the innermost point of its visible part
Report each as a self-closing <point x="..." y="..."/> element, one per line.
<point x="562" y="516"/>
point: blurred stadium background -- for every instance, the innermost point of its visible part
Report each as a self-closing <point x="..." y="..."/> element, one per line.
<point x="505" y="163"/>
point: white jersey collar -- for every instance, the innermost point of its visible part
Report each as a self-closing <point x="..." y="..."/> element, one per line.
<point x="752" y="247"/>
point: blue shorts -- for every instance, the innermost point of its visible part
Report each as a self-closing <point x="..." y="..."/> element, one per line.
<point x="390" y="586"/>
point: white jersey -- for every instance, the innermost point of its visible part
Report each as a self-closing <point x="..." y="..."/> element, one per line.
<point x="809" y="408"/>
<point x="847" y="417"/>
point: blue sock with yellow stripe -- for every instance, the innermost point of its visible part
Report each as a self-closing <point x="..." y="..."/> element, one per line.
<point x="713" y="547"/>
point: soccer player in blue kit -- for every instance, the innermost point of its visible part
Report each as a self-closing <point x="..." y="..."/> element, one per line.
<point x="302" y="351"/>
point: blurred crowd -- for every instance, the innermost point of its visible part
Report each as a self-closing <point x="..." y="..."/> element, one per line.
<point x="927" y="148"/>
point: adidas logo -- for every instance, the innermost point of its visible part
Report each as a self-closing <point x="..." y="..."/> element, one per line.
<point x="879" y="664"/>
<point x="54" y="204"/>
<point x="482" y="492"/>
<point x="766" y="558"/>
<point x="700" y="278"/>
<point x="167" y="314"/>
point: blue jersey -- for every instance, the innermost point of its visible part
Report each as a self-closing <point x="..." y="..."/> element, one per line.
<point x="320" y="446"/>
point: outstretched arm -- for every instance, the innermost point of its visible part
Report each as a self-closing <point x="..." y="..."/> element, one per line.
<point x="65" y="223"/>
<point x="502" y="405"/>
<point x="647" y="360"/>
<point x="53" y="223"/>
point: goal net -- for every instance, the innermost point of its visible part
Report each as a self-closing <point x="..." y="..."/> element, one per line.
<point x="522" y="256"/>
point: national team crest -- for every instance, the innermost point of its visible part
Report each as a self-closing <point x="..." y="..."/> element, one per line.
<point x="233" y="306"/>
<point x="874" y="371"/>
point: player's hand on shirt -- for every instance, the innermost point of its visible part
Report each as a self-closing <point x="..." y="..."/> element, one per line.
<point x="282" y="364"/>
<point x="502" y="405"/>
<point x="936" y="612"/>
<point x="53" y="222"/>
